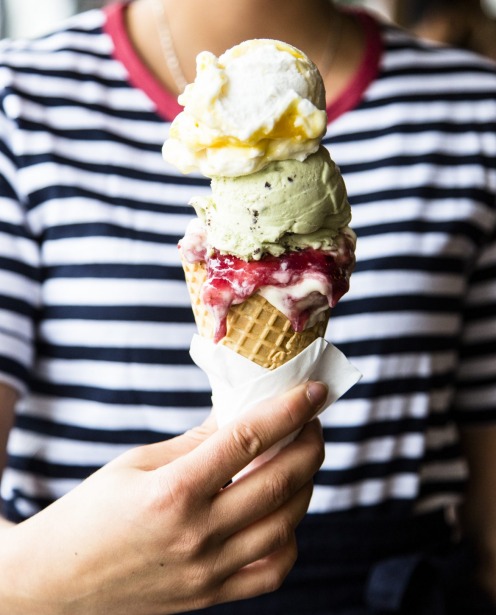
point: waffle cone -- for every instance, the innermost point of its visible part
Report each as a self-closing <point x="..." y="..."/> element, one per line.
<point x="255" y="328"/>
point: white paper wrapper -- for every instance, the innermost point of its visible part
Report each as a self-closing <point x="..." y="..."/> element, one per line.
<point x="239" y="384"/>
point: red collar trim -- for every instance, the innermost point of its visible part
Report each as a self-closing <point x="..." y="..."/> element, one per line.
<point x="140" y="75"/>
<point x="367" y="71"/>
<point x="166" y="103"/>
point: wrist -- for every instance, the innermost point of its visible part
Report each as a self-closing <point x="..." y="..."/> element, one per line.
<point x="21" y="592"/>
<point x="11" y="572"/>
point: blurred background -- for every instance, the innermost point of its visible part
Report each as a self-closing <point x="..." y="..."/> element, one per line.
<point x="28" y="18"/>
<point x="464" y="23"/>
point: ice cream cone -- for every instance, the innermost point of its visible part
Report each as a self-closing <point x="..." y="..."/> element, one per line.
<point x="255" y="328"/>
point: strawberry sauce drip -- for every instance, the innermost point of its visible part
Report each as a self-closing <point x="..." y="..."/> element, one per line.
<point x="231" y="280"/>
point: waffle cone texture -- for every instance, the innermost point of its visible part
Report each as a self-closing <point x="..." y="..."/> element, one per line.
<point x="256" y="329"/>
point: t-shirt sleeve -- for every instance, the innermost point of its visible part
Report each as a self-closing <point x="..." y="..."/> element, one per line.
<point x="475" y="399"/>
<point x="19" y="273"/>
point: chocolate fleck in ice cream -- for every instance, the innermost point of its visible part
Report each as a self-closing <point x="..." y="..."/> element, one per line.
<point x="271" y="250"/>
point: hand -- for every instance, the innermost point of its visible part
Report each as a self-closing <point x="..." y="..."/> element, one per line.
<point x="153" y="532"/>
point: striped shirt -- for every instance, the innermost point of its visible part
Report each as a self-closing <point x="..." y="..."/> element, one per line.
<point x="95" y="319"/>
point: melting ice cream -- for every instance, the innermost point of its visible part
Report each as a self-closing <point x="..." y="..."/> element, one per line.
<point x="277" y="220"/>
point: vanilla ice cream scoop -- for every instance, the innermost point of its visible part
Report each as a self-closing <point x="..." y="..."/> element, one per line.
<point x="261" y="101"/>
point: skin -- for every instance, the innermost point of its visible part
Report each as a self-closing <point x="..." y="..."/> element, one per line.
<point x="128" y="537"/>
<point x="100" y="548"/>
<point x="154" y="532"/>
<point x="216" y="26"/>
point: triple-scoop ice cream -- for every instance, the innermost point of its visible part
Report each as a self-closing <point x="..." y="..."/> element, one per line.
<point x="260" y="101"/>
<point x="276" y="222"/>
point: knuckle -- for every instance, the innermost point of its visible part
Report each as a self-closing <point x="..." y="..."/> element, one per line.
<point x="304" y="496"/>
<point x="283" y="535"/>
<point x="276" y="575"/>
<point x="247" y="440"/>
<point x="288" y="409"/>
<point x="171" y="494"/>
<point x="318" y="456"/>
<point x="193" y="547"/>
<point x="280" y="487"/>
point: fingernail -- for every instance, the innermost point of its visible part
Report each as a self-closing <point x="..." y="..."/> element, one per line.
<point x="317" y="393"/>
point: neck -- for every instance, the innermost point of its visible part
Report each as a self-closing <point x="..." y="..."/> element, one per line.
<point x="314" y="26"/>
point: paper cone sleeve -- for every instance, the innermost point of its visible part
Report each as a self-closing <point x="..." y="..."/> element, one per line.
<point x="256" y="329"/>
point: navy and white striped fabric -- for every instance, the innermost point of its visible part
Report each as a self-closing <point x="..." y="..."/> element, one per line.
<point x="95" y="320"/>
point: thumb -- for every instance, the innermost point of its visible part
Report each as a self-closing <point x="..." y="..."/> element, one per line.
<point x="154" y="456"/>
<point x="227" y="451"/>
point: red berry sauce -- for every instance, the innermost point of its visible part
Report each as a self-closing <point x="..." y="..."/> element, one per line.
<point x="231" y="280"/>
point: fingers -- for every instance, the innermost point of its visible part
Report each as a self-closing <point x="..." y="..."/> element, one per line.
<point x="264" y="576"/>
<point x="212" y="464"/>
<point x="266" y="536"/>
<point x="257" y="559"/>
<point x="265" y="489"/>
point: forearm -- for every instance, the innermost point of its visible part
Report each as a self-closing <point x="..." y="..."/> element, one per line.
<point x="479" y="511"/>
<point x="8" y="398"/>
<point x="10" y="570"/>
<point x="14" y="572"/>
